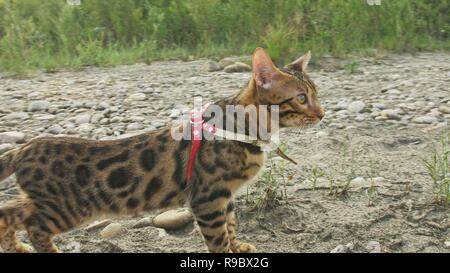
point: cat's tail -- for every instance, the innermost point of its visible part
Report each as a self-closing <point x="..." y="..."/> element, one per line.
<point x="7" y="164"/>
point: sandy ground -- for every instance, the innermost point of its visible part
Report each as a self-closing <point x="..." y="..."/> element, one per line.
<point x="388" y="205"/>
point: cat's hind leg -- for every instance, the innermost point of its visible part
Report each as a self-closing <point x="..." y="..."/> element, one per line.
<point x="12" y="216"/>
<point x="40" y="233"/>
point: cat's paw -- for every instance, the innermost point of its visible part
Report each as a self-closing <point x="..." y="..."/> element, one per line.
<point x="24" y="248"/>
<point x="244" y="248"/>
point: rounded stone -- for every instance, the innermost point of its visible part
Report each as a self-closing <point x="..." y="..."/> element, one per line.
<point x="379" y="179"/>
<point x="425" y="120"/>
<point x="321" y="134"/>
<point x="226" y="62"/>
<point x="444" y="109"/>
<point x="137" y="119"/>
<point x="158" y="124"/>
<point x="173" y="219"/>
<point x="85" y="128"/>
<point x="98" y="225"/>
<point x="112" y="230"/>
<point x="38" y="105"/>
<point x="17" y="116"/>
<point x="103" y="105"/>
<point x="137" y="97"/>
<point x="212" y="66"/>
<point x="238" y="67"/>
<point x="390" y="114"/>
<point x="393" y="91"/>
<point x="144" y="222"/>
<point x="96" y="117"/>
<point x="135" y="126"/>
<point x="55" y="129"/>
<point x="12" y="137"/>
<point x="358" y="180"/>
<point x="379" y="106"/>
<point x="82" y="119"/>
<point x="44" y="117"/>
<point x="373" y="247"/>
<point x="339" y="249"/>
<point x="356" y="106"/>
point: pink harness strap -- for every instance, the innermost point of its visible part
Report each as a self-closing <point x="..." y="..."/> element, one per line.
<point x="198" y="125"/>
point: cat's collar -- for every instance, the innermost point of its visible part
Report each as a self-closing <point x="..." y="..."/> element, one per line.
<point x="265" y="145"/>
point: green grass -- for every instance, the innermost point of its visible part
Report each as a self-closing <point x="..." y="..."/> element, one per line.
<point x="352" y="67"/>
<point x="50" y="34"/>
<point x="316" y="173"/>
<point x="438" y="168"/>
<point x="270" y="189"/>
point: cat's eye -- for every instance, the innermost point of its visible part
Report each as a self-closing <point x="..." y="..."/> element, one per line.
<point x="302" y="99"/>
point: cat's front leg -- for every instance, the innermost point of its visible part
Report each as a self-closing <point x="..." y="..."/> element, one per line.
<point x="235" y="245"/>
<point x="212" y="221"/>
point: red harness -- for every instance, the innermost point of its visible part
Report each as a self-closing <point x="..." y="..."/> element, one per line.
<point x="198" y="125"/>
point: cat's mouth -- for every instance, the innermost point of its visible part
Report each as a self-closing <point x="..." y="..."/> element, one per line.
<point x="311" y="120"/>
<point x="314" y="120"/>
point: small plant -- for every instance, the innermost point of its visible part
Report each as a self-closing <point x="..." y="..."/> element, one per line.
<point x="270" y="189"/>
<point x="438" y="168"/>
<point x="341" y="188"/>
<point x="338" y="188"/>
<point x="316" y="173"/>
<point x="352" y="67"/>
<point x="371" y="192"/>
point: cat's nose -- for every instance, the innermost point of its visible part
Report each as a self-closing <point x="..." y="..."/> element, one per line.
<point x="320" y="113"/>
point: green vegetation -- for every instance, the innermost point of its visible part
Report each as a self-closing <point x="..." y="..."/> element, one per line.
<point x="438" y="167"/>
<point x="51" y="34"/>
<point x="352" y="67"/>
<point x="316" y="173"/>
<point x="270" y="189"/>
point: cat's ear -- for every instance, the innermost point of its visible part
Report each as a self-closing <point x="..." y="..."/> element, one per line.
<point x="264" y="70"/>
<point x="301" y="63"/>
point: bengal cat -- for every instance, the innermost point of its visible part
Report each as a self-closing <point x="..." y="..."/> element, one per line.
<point x="67" y="181"/>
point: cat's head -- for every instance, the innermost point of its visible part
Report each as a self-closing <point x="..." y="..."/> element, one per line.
<point x="290" y="88"/>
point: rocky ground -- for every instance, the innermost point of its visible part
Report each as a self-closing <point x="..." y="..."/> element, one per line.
<point x="360" y="185"/>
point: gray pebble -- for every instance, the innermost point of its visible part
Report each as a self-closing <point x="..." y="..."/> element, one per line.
<point x="12" y="137"/>
<point x="135" y="126"/>
<point x="373" y="247"/>
<point x="238" y="67"/>
<point x="55" y="129"/>
<point x="17" y="116"/>
<point x="38" y="105"/>
<point x="212" y="66"/>
<point x="444" y="109"/>
<point x="82" y="119"/>
<point x="425" y="120"/>
<point x="137" y="97"/>
<point x="356" y="106"/>
<point x="390" y="114"/>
